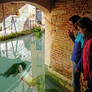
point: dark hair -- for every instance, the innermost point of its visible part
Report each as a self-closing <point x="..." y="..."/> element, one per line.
<point x="85" y="23"/>
<point x="74" y="18"/>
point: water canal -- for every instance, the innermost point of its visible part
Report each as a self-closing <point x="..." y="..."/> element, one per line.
<point x="22" y="66"/>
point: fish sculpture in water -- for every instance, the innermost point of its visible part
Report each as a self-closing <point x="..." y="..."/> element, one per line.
<point x="14" y="69"/>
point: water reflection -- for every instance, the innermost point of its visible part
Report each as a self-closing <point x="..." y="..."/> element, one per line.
<point x="23" y="58"/>
<point x="13" y="49"/>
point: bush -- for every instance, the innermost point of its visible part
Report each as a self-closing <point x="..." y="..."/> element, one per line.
<point x="38" y="33"/>
<point x="36" y="29"/>
<point x="14" y="35"/>
<point x="26" y="32"/>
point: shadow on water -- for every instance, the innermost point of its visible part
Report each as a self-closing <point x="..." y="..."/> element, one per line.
<point x="14" y="69"/>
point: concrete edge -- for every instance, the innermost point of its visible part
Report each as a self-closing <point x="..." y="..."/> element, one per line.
<point x="59" y="79"/>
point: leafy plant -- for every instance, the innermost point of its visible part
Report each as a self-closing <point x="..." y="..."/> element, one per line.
<point x="38" y="32"/>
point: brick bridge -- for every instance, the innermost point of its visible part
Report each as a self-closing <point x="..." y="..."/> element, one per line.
<point x="58" y="46"/>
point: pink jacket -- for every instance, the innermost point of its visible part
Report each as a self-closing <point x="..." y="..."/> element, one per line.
<point x="87" y="58"/>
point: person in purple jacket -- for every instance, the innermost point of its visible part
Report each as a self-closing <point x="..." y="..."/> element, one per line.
<point x="76" y="53"/>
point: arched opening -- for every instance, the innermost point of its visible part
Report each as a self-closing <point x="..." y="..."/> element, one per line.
<point x="47" y="17"/>
<point x="36" y="51"/>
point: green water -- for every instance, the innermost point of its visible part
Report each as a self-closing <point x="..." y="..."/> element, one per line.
<point x="22" y="66"/>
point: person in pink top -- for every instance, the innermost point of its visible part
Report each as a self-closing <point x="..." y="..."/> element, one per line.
<point x="85" y="27"/>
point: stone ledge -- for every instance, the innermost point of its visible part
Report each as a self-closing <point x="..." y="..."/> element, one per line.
<point x="59" y="79"/>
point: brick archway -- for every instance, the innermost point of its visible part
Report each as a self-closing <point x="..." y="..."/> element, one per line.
<point x="46" y="4"/>
<point x="43" y="6"/>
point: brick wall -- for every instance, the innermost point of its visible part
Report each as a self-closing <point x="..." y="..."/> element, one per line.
<point x="61" y="47"/>
<point x="58" y="46"/>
